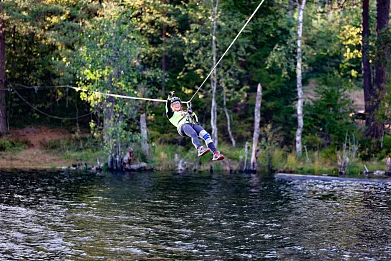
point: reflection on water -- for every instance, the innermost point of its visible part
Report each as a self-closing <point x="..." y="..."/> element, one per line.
<point x="191" y="216"/>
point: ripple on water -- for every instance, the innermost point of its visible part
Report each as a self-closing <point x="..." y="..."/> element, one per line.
<point x="190" y="216"/>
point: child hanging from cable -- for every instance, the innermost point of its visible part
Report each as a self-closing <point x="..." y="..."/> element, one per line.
<point x="186" y="122"/>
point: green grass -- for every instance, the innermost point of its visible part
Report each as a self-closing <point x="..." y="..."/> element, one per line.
<point x="78" y="149"/>
<point x="165" y="156"/>
<point x="88" y="156"/>
<point x="14" y="145"/>
<point x="71" y="144"/>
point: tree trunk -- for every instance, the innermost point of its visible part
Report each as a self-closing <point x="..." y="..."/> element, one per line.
<point x="228" y="122"/>
<point x="3" y="118"/>
<point x="213" y="79"/>
<point x="300" y="95"/>
<point x="13" y="53"/>
<point x="366" y="66"/>
<point x="144" y="134"/>
<point x="245" y="157"/>
<point x="138" y="166"/>
<point x="108" y="132"/>
<point x="257" y="120"/>
<point x="375" y="126"/>
<point x="164" y="52"/>
<point x="108" y="118"/>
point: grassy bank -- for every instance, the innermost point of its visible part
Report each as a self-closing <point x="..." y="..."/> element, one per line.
<point x="46" y="148"/>
<point x="43" y="148"/>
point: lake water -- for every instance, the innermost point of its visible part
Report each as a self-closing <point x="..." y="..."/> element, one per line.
<point x="191" y="216"/>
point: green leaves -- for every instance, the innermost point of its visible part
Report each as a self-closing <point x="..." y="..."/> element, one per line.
<point x="124" y="46"/>
<point x="110" y="61"/>
<point x="327" y="116"/>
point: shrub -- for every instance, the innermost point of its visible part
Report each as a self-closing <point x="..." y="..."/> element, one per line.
<point x="291" y="162"/>
<point x="387" y="143"/>
<point x="317" y="167"/>
<point x="14" y="145"/>
<point x="5" y="145"/>
<point x="329" y="154"/>
<point x="278" y="158"/>
<point x="355" y="170"/>
<point x="328" y="116"/>
<point x="368" y="148"/>
<point x="313" y="142"/>
<point x="386" y="150"/>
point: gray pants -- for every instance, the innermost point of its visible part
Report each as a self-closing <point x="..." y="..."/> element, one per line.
<point x="194" y="131"/>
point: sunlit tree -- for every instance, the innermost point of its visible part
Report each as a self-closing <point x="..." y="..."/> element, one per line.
<point x="110" y="62"/>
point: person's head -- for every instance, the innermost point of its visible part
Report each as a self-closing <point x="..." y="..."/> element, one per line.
<point x="176" y="104"/>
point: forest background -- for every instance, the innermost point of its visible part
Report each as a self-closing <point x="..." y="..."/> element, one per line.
<point x="145" y="48"/>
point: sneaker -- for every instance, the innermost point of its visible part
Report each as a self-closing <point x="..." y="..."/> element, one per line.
<point x="217" y="155"/>
<point x="202" y="151"/>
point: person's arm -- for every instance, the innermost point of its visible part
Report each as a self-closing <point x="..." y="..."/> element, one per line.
<point x="169" y="111"/>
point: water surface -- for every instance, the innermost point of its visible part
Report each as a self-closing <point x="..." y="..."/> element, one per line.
<point x="191" y="216"/>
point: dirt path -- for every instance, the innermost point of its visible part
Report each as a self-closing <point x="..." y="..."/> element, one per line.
<point x="34" y="157"/>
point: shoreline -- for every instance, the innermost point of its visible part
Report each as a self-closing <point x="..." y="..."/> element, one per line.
<point x="292" y="177"/>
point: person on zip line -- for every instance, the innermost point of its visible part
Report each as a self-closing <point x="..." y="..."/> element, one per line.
<point x="186" y="122"/>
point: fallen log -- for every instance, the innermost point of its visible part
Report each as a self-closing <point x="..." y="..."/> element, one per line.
<point x="291" y="177"/>
<point x="138" y="166"/>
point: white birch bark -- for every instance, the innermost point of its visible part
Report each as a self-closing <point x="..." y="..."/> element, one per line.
<point x="245" y="156"/>
<point x="257" y="120"/>
<point x="213" y="79"/>
<point x="228" y="121"/>
<point x="300" y="95"/>
<point x="144" y="134"/>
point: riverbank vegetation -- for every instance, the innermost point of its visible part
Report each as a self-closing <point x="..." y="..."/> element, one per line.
<point x="142" y="48"/>
<point x="42" y="147"/>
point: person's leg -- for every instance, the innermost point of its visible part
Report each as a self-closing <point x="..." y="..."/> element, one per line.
<point x="208" y="140"/>
<point x="203" y="134"/>
<point x="190" y="132"/>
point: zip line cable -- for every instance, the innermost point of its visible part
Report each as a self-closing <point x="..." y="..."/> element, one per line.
<point x="118" y="96"/>
<point x="37" y="87"/>
<point x="96" y="92"/>
<point x="44" y="113"/>
<point x="226" y="51"/>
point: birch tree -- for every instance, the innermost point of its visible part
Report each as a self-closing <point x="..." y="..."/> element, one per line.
<point x="213" y="78"/>
<point x="300" y="115"/>
<point x="144" y="133"/>
<point x="233" y="142"/>
<point x="200" y="47"/>
<point x="3" y="120"/>
<point x="164" y="62"/>
<point x="257" y="120"/>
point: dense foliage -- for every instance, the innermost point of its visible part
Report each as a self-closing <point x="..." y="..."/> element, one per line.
<point x="146" y="48"/>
